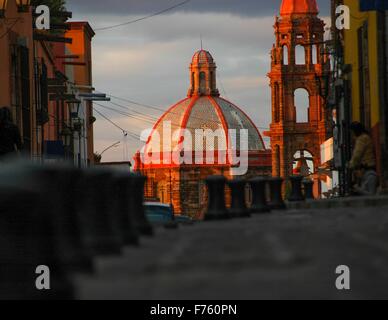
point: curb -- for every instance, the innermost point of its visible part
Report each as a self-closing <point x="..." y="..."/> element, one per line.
<point x="351" y="202"/>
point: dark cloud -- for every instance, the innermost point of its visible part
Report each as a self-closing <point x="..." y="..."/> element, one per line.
<point x="139" y="7"/>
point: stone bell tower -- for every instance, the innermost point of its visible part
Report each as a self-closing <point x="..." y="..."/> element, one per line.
<point x="298" y="63"/>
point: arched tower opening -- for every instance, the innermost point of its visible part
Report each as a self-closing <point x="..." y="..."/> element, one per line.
<point x="302" y="105"/>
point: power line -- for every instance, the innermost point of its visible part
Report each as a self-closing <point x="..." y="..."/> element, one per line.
<point x="125" y="132"/>
<point x="137" y="113"/>
<point x="125" y="113"/>
<point x="160" y="109"/>
<point x="143" y="18"/>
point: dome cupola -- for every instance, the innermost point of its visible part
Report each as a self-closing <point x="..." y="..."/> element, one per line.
<point x="203" y="77"/>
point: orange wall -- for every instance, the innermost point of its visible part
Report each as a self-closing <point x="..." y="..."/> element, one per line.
<point x="14" y="29"/>
<point x="82" y="35"/>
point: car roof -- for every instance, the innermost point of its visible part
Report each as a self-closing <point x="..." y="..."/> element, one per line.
<point x="156" y="204"/>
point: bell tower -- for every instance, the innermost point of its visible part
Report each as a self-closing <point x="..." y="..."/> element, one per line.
<point x="298" y="64"/>
<point x="203" y="77"/>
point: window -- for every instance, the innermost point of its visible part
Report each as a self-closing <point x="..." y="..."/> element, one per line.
<point x="315" y="54"/>
<point x="277" y="165"/>
<point x="300" y="55"/>
<point x="302" y="105"/>
<point x="285" y="56"/>
<point x="202" y="82"/>
<point x="193" y="80"/>
<point x="277" y="103"/>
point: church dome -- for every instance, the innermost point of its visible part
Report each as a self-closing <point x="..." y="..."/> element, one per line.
<point x="299" y="7"/>
<point x="207" y="113"/>
<point x="203" y="110"/>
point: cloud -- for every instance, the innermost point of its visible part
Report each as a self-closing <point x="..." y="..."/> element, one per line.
<point x="148" y="61"/>
<point x="145" y="7"/>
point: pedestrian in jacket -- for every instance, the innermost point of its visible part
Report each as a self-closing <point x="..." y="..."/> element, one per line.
<point x="363" y="162"/>
<point x="10" y="139"/>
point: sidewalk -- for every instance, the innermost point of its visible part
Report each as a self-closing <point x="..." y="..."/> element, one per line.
<point x="350" y="202"/>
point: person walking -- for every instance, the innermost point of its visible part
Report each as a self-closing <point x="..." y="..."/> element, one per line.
<point x="10" y="138"/>
<point x="363" y="162"/>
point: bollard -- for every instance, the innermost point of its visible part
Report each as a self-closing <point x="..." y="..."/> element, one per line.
<point x="259" y="196"/>
<point x="27" y="242"/>
<point x="296" y="192"/>
<point x="99" y="221"/>
<point x="216" y="199"/>
<point x="277" y="202"/>
<point x="61" y="187"/>
<point x="239" y="207"/>
<point x="126" y="217"/>
<point x="136" y="196"/>
<point x="308" y="189"/>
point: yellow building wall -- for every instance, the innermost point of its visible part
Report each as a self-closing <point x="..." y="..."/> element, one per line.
<point x="351" y="57"/>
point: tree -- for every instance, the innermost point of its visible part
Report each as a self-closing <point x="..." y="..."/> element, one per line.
<point x="54" y="5"/>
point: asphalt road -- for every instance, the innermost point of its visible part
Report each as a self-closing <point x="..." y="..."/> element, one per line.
<point x="290" y="255"/>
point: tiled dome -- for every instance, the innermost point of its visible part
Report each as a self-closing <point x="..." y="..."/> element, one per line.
<point x="203" y="110"/>
<point x="202" y="57"/>
<point x="298" y="7"/>
<point x="208" y="113"/>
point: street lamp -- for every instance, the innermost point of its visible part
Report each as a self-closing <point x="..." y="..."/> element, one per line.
<point x="323" y="84"/>
<point x="67" y="136"/>
<point x="23" y="5"/>
<point x="3" y="7"/>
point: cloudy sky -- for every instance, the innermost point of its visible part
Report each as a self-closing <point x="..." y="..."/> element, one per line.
<point x="147" y="62"/>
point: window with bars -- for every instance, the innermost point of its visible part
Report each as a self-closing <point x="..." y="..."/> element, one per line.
<point x="364" y="77"/>
<point x="21" y="92"/>
<point x="26" y="98"/>
<point x="41" y="92"/>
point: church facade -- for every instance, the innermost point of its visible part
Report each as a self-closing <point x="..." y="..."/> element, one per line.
<point x="299" y="63"/>
<point x="207" y="135"/>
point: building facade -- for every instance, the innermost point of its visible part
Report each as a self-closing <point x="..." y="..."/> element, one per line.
<point x="189" y="132"/>
<point x="42" y="73"/>
<point x="299" y="63"/>
<point x="361" y="82"/>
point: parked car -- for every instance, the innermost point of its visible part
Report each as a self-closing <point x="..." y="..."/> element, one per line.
<point x="160" y="214"/>
<point x="163" y="214"/>
<point x="184" y="220"/>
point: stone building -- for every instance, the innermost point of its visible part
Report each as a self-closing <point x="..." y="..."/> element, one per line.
<point x="299" y="64"/>
<point x="190" y="131"/>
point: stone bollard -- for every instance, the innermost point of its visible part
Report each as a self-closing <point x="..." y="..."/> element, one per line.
<point x="238" y="207"/>
<point x="216" y="199"/>
<point x="296" y="189"/>
<point x="277" y="202"/>
<point x="63" y="201"/>
<point x="259" y="196"/>
<point x="308" y="189"/>
<point x="28" y="242"/>
<point x="99" y="219"/>
<point x="128" y="228"/>
<point x="137" y="211"/>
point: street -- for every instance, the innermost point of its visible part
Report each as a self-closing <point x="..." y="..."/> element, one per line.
<point x="285" y="255"/>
